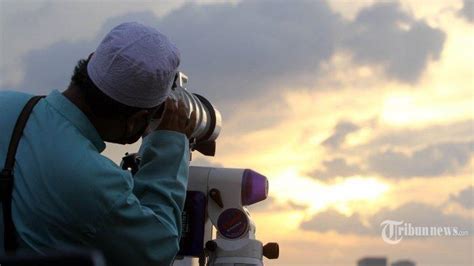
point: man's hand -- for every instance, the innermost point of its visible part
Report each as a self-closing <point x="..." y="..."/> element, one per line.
<point x="175" y="118"/>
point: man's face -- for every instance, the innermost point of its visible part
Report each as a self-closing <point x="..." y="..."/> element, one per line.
<point x="134" y="127"/>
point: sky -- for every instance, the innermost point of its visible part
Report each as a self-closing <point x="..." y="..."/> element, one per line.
<point x="356" y="111"/>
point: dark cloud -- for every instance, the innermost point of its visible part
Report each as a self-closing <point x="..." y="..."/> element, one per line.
<point x="236" y="51"/>
<point x="336" y="167"/>
<point x="467" y="10"/>
<point x="439" y="154"/>
<point x="385" y="34"/>
<point x="465" y="197"/>
<point x="415" y="213"/>
<point x="233" y="52"/>
<point x="433" y="160"/>
<point x="341" y="130"/>
<point x="406" y="137"/>
<point x="52" y="68"/>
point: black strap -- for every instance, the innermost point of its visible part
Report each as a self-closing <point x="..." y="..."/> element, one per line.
<point x="6" y="177"/>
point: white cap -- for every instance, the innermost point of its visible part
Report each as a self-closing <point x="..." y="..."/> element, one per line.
<point x="134" y="65"/>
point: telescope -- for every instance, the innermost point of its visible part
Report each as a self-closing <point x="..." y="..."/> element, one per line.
<point x="217" y="228"/>
<point x="208" y="118"/>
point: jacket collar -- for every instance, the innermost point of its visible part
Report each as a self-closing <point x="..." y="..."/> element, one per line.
<point x="72" y="113"/>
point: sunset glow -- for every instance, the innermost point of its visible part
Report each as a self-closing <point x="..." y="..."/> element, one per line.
<point x="318" y="196"/>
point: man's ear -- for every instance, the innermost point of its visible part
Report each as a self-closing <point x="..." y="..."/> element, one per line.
<point x="137" y="121"/>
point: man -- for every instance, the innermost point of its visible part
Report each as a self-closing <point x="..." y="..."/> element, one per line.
<point x="65" y="193"/>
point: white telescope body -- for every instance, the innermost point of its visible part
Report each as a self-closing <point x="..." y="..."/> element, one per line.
<point x="227" y="191"/>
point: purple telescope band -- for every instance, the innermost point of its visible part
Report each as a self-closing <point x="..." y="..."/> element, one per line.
<point x="254" y="187"/>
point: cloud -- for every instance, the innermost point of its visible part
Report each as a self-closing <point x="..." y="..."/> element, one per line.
<point x="421" y="215"/>
<point x="200" y="160"/>
<point x="336" y="167"/>
<point x="341" y="130"/>
<point x="433" y="151"/>
<point x="415" y="213"/>
<point x="385" y="34"/>
<point x="238" y="51"/>
<point x="32" y="25"/>
<point x="467" y="10"/>
<point x="407" y="137"/>
<point x="332" y="220"/>
<point x="270" y="204"/>
<point x="434" y="160"/>
<point x="53" y="67"/>
<point x="465" y="197"/>
<point x="233" y="52"/>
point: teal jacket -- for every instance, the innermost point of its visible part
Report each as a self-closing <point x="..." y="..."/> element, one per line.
<point x="67" y="195"/>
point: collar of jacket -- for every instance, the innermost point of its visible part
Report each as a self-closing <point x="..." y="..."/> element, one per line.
<point x="72" y="113"/>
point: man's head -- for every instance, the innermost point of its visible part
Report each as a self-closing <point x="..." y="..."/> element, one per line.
<point x="126" y="80"/>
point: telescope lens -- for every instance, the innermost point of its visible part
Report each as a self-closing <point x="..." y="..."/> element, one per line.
<point x="208" y="118"/>
<point x="254" y="187"/>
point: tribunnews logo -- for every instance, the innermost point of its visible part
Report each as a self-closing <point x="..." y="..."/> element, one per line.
<point x="394" y="231"/>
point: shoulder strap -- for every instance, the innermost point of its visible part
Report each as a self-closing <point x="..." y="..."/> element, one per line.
<point x="6" y="176"/>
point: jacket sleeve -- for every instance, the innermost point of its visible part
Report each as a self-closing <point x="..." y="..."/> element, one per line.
<point x="143" y="226"/>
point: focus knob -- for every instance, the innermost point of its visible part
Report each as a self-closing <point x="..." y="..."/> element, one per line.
<point x="211" y="245"/>
<point x="271" y="250"/>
